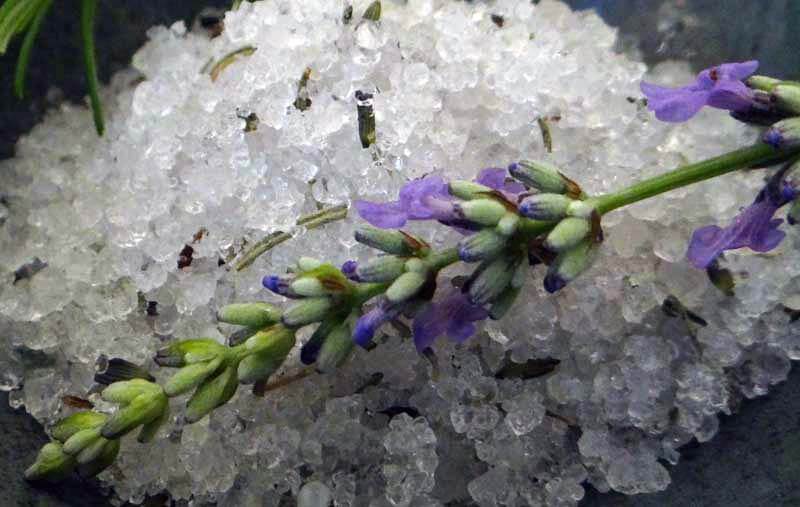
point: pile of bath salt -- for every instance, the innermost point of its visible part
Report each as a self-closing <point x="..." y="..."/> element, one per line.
<point x="115" y="246"/>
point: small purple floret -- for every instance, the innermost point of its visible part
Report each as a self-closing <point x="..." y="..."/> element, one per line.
<point x="452" y="315"/>
<point x="349" y="270"/>
<point x="721" y="87"/>
<point x="276" y="284"/>
<point x="499" y="179"/>
<point x="754" y="227"/>
<point x="369" y="323"/>
<point x="426" y="198"/>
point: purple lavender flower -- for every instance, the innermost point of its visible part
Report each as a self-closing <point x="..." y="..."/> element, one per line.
<point x="422" y="199"/>
<point x="721" y="87"/>
<point x="279" y="285"/>
<point x="498" y="179"/>
<point x="754" y="227"/>
<point x="368" y="324"/>
<point x="452" y="314"/>
<point x="349" y="270"/>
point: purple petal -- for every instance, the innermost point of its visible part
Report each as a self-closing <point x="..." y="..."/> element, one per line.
<point x="753" y="228"/>
<point x="453" y="315"/>
<point x="389" y="215"/>
<point x="674" y="105"/>
<point x="367" y="325"/>
<point x="737" y="71"/>
<point x="498" y="179"/>
<point x="731" y="95"/>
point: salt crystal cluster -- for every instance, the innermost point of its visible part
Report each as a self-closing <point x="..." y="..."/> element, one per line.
<point x="457" y="87"/>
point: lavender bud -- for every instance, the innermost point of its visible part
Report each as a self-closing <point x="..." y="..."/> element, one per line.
<point x="481" y="211"/>
<point x="786" y="97"/>
<point x="567" y="266"/>
<point x="307" y="311"/>
<point x="272" y="350"/>
<point x="280" y="285"/>
<point x="384" y="268"/>
<point x="486" y="244"/>
<point x="144" y="408"/>
<point x="211" y="394"/>
<point x="405" y="286"/>
<point x="337" y="346"/>
<point x="762" y="83"/>
<point x="492" y="278"/>
<point x="76" y="422"/>
<point x="77" y="442"/>
<point x="391" y="242"/>
<point x="52" y="464"/>
<point x="308" y="263"/>
<point x="545" y="206"/>
<point x="784" y="134"/>
<point x="508" y="224"/>
<point x="468" y="190"/>
<point x="190" y="376"/>
<point x="255" y="315"/>
<point x="542" y="176"/>
<point x="308" y="286"/>
<point x="188" y="351"/>
<point x="102" y="461"/>
<point x="91" y="451"/>
<point x="580" y="209"/>
<point x="567" y="233"/>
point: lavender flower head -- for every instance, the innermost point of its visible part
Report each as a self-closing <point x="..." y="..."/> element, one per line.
<point x="721" y="87"/>
<point x="422" y="199"/>
<point x="754" y="227"/>
<point x="452" y="315"/>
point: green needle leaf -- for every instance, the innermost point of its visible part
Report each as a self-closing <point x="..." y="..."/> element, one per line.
<point x="88" y="13"/>
<point x="27" y="47"/>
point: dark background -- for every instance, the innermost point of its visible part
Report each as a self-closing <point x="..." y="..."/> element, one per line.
<point x="754" y="461"/>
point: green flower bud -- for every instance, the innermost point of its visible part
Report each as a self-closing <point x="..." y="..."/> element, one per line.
<point x="580" y="209"/>
<point x="76" y="422"/>
<point x="508" y="224"/>
<point x="486" y="244"/>
<point x="542" y="176"/>
<point x="545" y="206"/>
<point x="272" y="352"/>
<point x="308" y="263"/>
<point x="104" y="460"/>
<point x="391" y="242"/>
<point x="383" y="268"/>
<point x="468" y="190"/>
<point x="272" y="340"/>
<point x="787" y="98"/>
<point x="308" y="286"/>
<point x="503" y="303"/>
<point x="92" y="451"/>
<point x="144" y="408"/>
<point x="52" y="464"/>
<point x="405" y="286"/>
<point x="763" y="83"/>
<point x="77" y="442"/>
<point x="416" y="265"/>
<point x="567" y="233"/>
<point x="190" y="376"/>
<point x="255" y="315"/>
<point x="491" y="278"/>
<point x="793" y="215"/>
<point x="481" y="211"/>
<point x="307" y="311"/>
<point x="568" y="265"/>
<point x="784" y="134"/>
<point x="189" y="351"/>
<point x="337" y="346"/>
<point x="211" y="394"/>
<point x="149" y="430"/>
<point x="123" y="393"/>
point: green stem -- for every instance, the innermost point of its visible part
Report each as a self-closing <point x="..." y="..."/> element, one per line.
<point x="759" y="154"/>
<point x="88" y="13"/>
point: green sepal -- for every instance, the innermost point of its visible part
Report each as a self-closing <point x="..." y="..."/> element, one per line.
<point x="486" y="212"/>
<point x="91" y="451"/>
<point x="185" y="352"/>
<point x="405" y="286"/>
<point x="52" y="464"/>
<point x="255" y="315"/>
<point x="337" y="346"/>
<point x="76" y="422"/>
<point x="143" y="409"/>
<point x="211" y="394"/>
<point x="81" y="439"/>
<point x="124" y="392"/>
<point x="150" y="429"/>
<point x="468" y="190"/>
<point x="383" y="268"/>
<point x="307" y="311"/>
<point x="567" y="233"/>
<point x="190" y="376"/>
<point x="104" y="460"/>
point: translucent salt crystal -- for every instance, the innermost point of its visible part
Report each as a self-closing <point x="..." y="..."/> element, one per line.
<point x="314" y="494"/>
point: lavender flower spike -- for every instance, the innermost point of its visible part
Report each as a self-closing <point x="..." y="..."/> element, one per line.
<point x="754" y="227"/>
<point x="422" y="199"/>
<point x="721" y="87"/>
<point x="452" y="315"/>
